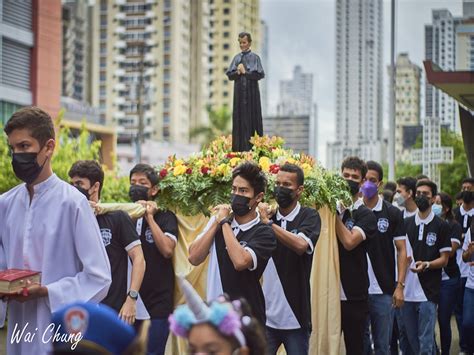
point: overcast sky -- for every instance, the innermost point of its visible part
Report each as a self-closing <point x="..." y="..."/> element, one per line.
<point x="302" y="32"/>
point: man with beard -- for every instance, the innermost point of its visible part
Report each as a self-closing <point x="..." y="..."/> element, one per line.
<point x="286" y="277"/>
<point x="429" y="245"/>
<point x="355" y="227"/>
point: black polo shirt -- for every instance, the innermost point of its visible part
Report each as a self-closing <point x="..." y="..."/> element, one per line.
<point x="381" y="249"/>
<point x="259" y="240"/>
<point x="119" y="236"/>
<point x="427" y="238"/>
<point x="455" y="236"/>
<point x="353" y="263"/>
<point x="286" y="278"/>
<point x="463" y="217"/>
<point x="157" y="289"/>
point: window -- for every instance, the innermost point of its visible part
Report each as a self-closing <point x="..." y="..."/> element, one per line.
<point x="226" y="46"/>
<point x="226" y="22"/>
<point x="226" y="11"/>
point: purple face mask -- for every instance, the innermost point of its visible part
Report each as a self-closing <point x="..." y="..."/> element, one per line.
<point x="369" y="189"/>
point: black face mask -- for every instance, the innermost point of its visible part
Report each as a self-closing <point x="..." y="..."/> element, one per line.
<point x="467" y="197"/>
<point x="83" y="191"/>
<point x="26" y="166"/>
<point x="240" y="205"/>
<point x="138" y="192"/>
<point x="422" y="202"/>
<point x="353" y="186"/>
<point x="284" y="196"/>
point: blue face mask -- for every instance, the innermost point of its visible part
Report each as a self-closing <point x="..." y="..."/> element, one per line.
<point x="437" y="209"/>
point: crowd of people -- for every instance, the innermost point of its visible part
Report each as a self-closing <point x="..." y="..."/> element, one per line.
<point x="405" y="258"/>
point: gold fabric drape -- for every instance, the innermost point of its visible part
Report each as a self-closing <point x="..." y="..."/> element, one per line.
<point x="325" y="276"/>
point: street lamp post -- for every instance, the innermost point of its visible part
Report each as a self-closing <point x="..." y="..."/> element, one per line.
<point x="391" y="120"/>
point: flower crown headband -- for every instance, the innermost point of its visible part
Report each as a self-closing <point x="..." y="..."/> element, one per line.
<point x="222" y="314"/>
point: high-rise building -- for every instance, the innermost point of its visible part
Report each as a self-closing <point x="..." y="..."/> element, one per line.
<point x="200" y="77"/>
<point x="294" y="129"/>
<point x="465" y="45"/>
<point x="228" y="19"/>
<point x="143" y="55"/>
<point x="295" y="104"/>
<point x="407" y="101"/>
<point x="440" y="48"/>
<point x="265" y="63"/>
<point x="75" y="50"/>
<point x="468" y="8"/>
<point x="359" y="81"/>
<point x="30" y="56"/>
<point x="296" y="94"/>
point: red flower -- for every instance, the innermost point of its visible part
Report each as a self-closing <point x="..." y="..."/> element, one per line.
<point x="274" y="168"/>
<point x="230" y="155"/>
<point x="163" y="173"/>
<point x="189" y="171"/>
<point x="204" y="170"/>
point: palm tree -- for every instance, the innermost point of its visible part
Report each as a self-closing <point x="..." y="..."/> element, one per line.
<point x="219" y="125"/>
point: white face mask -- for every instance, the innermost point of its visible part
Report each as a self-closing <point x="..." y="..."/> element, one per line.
<point x="399" y="199"/>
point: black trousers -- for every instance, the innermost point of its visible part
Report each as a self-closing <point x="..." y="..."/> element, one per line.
<point x="353" y="320"/>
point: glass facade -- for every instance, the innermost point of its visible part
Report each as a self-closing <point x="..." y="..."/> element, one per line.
<point x="6" y="110"/>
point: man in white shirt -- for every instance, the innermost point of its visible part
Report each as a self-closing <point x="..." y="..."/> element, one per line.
<point x="47" y="225"/>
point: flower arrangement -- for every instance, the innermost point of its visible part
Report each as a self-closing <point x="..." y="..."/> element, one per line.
<point x="203" y="180"/>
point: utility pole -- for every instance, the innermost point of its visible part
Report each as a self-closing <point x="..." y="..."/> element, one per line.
<point x="139" y="139"/>
<point x="391" y="120"/>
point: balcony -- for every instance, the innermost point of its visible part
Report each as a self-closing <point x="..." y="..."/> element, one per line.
<point x="120" y="86"/>
<point x="150" y="42"/>
<point x="120" y="100"/>
<point x="120" y="30"/>
<point x="120" y="72"/>
<point x="119" y="114"/>
<point x="120" y="44"/>
<point x="120" y="16"/>
<point x="120" y="58"/>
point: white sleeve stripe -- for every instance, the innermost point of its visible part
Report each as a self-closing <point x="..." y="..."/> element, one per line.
<point x="402" y="237"/>
<point x="442" y="250"/>
<point x="310" y="249"/>
<point x="364" y="237"/>
<point x="133" y="245"/>
<point x="172" y="237"/>
<point x="207" y="227"/>
<point x="455" y="240"/>
<point x="254" y="258"/>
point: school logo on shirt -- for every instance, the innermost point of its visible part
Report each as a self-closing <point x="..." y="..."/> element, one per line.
<point x="383" y="224"/>
<point x="349" y="224"/>
<point x="431" y="239"/>
<point x="149" y="236"/>
<point x="106" y="236"/>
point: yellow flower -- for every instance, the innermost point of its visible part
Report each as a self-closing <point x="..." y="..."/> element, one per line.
<point x="179" y="170"/>
<point x="223" y="169"/>
<point x="306" y="168"/>
<point x="234" y="161"/>
<point x="291" y="161"/>
<point x="178" y="162"/>
<point x="265" y="163"/>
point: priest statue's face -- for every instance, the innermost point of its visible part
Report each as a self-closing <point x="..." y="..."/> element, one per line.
<point x="244" y="43"/>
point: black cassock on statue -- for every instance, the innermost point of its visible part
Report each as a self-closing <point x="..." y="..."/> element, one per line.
<point x="247" y="111"/>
